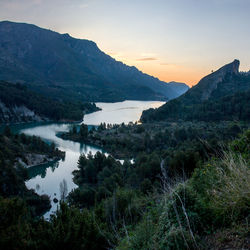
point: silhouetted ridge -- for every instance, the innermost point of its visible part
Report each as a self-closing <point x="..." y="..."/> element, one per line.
<point x="67" y="68"/>
<point x="223" y="94"/>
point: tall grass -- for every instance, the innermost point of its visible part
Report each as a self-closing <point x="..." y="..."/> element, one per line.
<point x="230" y="192"/>
<point x="216" y="197"/>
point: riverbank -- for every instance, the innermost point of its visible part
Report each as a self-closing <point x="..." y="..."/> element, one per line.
<point x="33" y="159"/>
<point x="29" y="151"/>
<point x="127" y="141"/>
<point x="20" y="104"/>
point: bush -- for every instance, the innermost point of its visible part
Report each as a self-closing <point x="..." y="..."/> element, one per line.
<point x="223" y="186"/>
<point x="216" y="197"/>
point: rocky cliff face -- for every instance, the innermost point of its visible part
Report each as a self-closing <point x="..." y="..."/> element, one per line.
<point x="18" y="114"/>
<point x="210" y="83"/>
<point x="219" y="83"/>
<point x="211" y="94"/>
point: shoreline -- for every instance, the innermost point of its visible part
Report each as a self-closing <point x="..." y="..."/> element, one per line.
<point x="35" y="160"/>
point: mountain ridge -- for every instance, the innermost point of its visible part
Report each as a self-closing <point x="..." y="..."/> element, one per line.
<point x="210" y="95"/>
<point x="58" y="63"/>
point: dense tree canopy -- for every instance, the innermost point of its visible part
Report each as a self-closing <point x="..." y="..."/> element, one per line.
<point x="14" y="95"/>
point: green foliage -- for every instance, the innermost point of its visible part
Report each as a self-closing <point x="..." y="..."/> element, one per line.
<point x="84" y="131"/>
<point x="102" y="126"/>
<point x="229" y="101"/>
<point x="229" y="108"/>
<point x="242" y="145"/>
<point x="69" y="228"/>
<point x="125" y="206"/>
<point x="134" y="205"/>
<point x="214" y="198"/>
<point x="14" y="226"/>
<point x="193" y="139"/>
<point x="100" y="176"/>
<point x="13" y="95"/>
<point x="223" y="187"/>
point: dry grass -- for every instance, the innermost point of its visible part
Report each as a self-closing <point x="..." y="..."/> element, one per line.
<point x="233" y="191"/>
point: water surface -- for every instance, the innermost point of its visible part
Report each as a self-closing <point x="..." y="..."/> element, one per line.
<point x="46" y="179"/>
<point x="119" y="112"/>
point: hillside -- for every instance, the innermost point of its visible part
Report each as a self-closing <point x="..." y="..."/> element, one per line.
<point x="222" y="95"/>
<point x="19" y="104"/>
<point x="63" y="67"/>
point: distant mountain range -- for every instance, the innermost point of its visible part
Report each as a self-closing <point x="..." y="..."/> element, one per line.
<point x="222" y="95"/>
<point x="62" y="67"/>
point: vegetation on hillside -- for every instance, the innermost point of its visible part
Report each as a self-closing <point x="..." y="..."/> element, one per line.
<point x="184" y="183"/>
<point x="18" y="95"/>
<point x="127" y="141"/>
<point x="73" y="69"/>
<point x="140" y="205"/>
<point x="208" y="211"/>
<point x="228" y="108"/>
<point x="228" y="102"/>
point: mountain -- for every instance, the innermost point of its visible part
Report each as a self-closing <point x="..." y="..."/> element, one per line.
<point x="61" y="66"/>
<point x="178" y="87"/>
<point x="222" y="95"/>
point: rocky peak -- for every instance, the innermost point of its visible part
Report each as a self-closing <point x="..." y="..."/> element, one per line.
<point x="232" y="68"/>
<point x="209" y="83"/>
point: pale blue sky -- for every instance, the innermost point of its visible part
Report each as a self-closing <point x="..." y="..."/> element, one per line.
<point x="179" y="40"/>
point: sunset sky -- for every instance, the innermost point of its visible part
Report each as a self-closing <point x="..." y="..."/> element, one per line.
<point x="174" y="40"/>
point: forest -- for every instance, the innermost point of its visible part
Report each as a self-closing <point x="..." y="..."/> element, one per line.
<point x="229" y="108"/>
<point x="229" y="101"/>
<point x="177" y="197"/>
<point x="16" y="95"/>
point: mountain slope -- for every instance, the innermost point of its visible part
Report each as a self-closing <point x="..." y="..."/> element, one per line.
<point x="222" y="95"/>
<point x="19" y="104"/>
<point x="179" y="87"/>
<point x="62" y="66"/>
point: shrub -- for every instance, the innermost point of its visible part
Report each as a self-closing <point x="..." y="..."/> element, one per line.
<point x="223" y="186"/>
<point x="216" y="197"/>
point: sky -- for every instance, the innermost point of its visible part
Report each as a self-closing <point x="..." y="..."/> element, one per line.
<point x="173" y="40"/>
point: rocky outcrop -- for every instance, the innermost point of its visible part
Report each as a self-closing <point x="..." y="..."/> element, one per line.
<point x="35" y="159"/>
<point x="221" y="82"/>
<point x="18" y="114"/>
<point x="209" y="97"/>
<point x="209" y="83"/>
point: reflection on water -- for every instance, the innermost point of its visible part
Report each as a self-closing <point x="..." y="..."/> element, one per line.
<point x="49" y="176"/>
<point x="46" y="178"/>
<point x="41" y="170"/>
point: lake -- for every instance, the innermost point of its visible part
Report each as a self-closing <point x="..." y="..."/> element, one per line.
<point x="46" y="179"/>
<point x="119" y="112"/>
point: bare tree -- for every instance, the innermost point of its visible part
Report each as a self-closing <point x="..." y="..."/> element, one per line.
<point x="63" y="189"/>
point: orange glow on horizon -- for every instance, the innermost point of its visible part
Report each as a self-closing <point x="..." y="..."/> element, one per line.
<point x="187" y="78"/>
<point x="166" y="72"/>
<point x="169" y="73"/>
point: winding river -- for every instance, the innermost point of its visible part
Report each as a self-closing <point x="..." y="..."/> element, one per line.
<point x="46" y="178"/>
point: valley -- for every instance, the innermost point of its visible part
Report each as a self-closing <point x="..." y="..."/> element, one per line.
<point x="95" y="154"/>
<point x="47" y="177"/>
